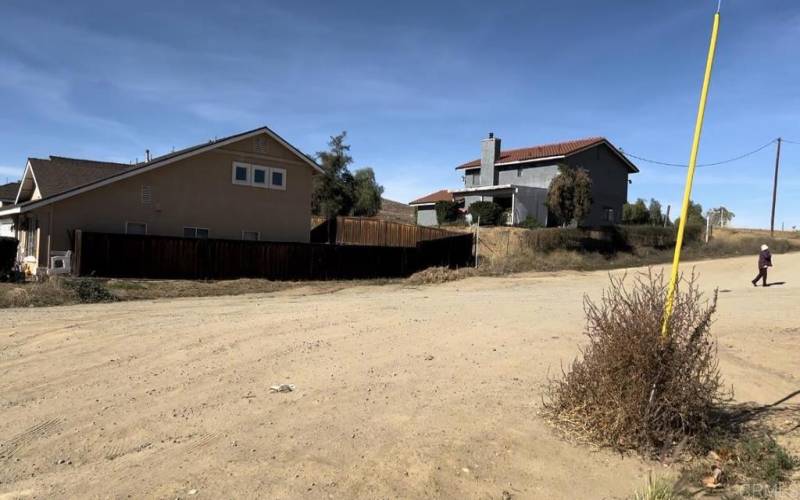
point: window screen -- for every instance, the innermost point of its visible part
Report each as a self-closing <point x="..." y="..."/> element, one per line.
<point x="135" y="228"/>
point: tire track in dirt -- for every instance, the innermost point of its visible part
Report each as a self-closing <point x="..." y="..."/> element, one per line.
<point x="10" y="448"/>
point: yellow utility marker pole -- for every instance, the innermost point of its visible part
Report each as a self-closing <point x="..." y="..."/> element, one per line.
<point x="687" y="192"/>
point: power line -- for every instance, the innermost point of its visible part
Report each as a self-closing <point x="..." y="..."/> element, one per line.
<point x="791" y="142"/>
<point x="737" y="158"/>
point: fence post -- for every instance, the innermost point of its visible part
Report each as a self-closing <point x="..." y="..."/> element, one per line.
<point x="77" y="253"/>
<point x="477" y="241"/>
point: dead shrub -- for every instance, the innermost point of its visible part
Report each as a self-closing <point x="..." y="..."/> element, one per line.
<point x="633" y="389"/>
<point x="436" y="275"/>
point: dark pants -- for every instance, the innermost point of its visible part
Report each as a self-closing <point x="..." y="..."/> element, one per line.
<point x="762" y="275"/>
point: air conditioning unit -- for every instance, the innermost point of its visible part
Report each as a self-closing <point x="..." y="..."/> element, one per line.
<point x="60" y="263"/>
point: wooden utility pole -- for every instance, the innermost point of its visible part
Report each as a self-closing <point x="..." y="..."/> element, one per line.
<point x="775" y="189"/>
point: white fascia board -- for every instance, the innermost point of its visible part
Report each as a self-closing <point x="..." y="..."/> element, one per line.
<point x="10" y="211"/>
<point x="532" y="160"/>
<point x="483" y="188"/>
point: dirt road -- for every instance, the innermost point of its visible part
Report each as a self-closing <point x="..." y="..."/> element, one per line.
<point x="428" y="392"/>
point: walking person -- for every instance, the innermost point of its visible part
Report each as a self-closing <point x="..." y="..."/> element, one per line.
<point x="764" y="261"/>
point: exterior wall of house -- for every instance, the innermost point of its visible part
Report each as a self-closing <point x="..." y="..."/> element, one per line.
<point x="195" y="192"/>
<point x="609" y="183"/>
<point x="530" y="201"/>
<point x="426" y="215"/>
<point x="472" y="177"/>
<point x="533" y="175"/>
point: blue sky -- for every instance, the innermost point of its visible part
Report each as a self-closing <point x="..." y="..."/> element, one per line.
<point x="415" y="84"/>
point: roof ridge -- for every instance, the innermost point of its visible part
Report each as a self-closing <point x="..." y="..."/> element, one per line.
<point x="558" y="143"/>
<point x="53" y="157"/>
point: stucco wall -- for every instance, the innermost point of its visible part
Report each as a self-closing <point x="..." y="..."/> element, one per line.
<point x="609" y="183"/>
<point x="538" y="176"/>
<point x="426" y="216"/>
<point x="530" y="201"/>
<point x="195" y="192"/>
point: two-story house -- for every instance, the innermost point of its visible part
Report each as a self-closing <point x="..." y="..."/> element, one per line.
<point x="250" y="186"/>
<point x="518" y="179"/>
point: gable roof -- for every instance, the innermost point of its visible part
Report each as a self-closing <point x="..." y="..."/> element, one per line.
<point x="88" y="169"/>
<point x="554" y="150"/>
<point x="441" y="195"/>
<point x="58" y="174"/>
<point x="8" y="192"/>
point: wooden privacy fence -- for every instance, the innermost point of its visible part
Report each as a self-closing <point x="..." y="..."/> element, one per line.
<point x="373" y="232"/>
<point x="166" y="257"/>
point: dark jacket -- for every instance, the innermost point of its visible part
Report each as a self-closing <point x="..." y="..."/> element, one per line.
<point x="764" y="259"/>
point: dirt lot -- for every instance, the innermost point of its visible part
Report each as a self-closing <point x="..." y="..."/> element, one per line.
<point x="401" y="392"/>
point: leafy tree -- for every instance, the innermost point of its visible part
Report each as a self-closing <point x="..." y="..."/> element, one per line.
<point x="339" y="192"/>
<point x="654" y="209"/>
<point x="720" y="216"/>
<point x="332" y="189"/>
<point x="694" y="215"/>
<point x="570" y="195"/>
<point x="635" y="213"/>
<point x="366" y="193"/>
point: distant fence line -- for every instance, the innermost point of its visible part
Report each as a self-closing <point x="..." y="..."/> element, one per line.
<point x="372" y="232"/>
<point x="166" y="257"/>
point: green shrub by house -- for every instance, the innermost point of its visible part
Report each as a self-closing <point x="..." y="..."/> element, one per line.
<point x="488" y="212"/>
<point x="531" y="222"/>
<point x="8" y="254"/>
<point x="446" y="211"/>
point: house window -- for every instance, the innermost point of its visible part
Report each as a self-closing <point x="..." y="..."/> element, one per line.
<point x="135" y="228"/>
<point x="195" y="232"/>
<point x="255" y="175"/>
<point x="260" y="176"/>
<point x="251" y="235"/>
<point x="608" y="214"/>
<point x="241" y="173"/>
<point x="30" y="240"/>
<point x="277" y="178"/>
<point x="147" y="195"/>
<point x="519" y="172"/>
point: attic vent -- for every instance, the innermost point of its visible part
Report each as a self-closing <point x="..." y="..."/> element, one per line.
<point x="147" y="195"/>
<point x="261" y="144"/>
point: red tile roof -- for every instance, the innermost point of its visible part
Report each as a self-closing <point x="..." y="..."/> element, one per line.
<point x="441" y="195"/>
<point x="542" y="151"/>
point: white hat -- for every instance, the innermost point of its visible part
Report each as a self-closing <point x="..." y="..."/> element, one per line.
<point x="764" y="247"/>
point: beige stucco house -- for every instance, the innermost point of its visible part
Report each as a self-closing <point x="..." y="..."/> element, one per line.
<point x="253" y="185"/>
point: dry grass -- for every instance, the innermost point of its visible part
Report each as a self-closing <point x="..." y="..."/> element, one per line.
<point x="633" y="389"/>
<point x="67" y="291"/>
<point x="503" y="251"/>
<point x="436" y="275"/>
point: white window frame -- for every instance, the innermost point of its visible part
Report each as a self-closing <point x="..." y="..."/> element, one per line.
<point x="257" y="233"/>
<point x="127" y="223"/>
<point x="247" y="167"/>
<point x="195" y="228"/>
<point x="267" y="176"/>
<point x="282" y="171"/>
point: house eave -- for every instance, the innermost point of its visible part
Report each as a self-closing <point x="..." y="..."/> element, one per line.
<point x="516" y="162"/>
<point x="172" y="159"/>
<point x="481" y="189"/>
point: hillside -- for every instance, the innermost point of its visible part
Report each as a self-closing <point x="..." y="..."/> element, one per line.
<point x="396" y="211"/>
